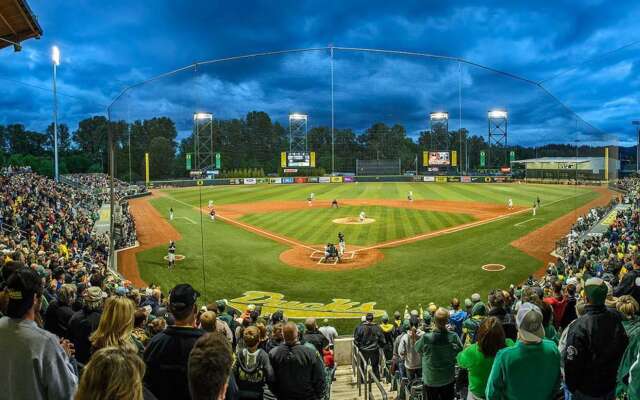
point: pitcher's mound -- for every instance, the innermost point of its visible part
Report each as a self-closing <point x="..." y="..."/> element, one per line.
<point x="353" y="221"/>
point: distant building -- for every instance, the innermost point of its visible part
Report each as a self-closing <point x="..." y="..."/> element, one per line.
<point x="569" y="169"/>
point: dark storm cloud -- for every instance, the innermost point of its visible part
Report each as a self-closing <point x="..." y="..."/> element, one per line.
<point x="106" y="49"/>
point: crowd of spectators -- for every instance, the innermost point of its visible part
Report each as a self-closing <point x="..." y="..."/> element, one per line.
<point x="71" y="330"/>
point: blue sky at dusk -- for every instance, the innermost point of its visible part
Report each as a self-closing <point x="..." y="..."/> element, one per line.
<point x="107" y="46"/>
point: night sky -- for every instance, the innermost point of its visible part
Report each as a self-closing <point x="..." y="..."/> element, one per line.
<point x="107" y="46"/>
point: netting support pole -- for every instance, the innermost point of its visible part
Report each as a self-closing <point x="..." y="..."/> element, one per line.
<point x="333" y="140"/>
<point x="460" y="116"/>
<point x="112" y="200"/>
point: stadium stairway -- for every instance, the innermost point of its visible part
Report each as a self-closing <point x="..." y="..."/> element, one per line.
<point x="345" y="387"/>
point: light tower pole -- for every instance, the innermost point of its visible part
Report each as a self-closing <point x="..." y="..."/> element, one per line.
<point x="637" y="123"/>
<point x="55" y="61"/>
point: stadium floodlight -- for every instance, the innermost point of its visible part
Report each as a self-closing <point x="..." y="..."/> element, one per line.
<point x="497" y="114"/>
<point x="202" y="116"/>
<point x="439" y="116"/>
<point x="298" y="117"/>
<point x="55" y="55"/>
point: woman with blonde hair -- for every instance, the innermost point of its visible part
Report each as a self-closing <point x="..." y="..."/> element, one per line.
<point x="116" y="326"/>
<point x="628" y="307"/>
<point x="113" y="373"/>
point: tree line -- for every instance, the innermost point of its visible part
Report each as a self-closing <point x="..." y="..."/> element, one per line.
<point x="253" y="142"/>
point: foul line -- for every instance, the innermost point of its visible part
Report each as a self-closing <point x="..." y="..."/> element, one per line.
<point x="187" y="218"/>
<point x="388" y="244"/>
<point x="525" y="221"/>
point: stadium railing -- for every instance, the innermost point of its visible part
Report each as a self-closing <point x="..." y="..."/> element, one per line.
<point x="364" y="375"/>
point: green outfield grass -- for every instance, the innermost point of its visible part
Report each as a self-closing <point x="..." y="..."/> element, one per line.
<point x="435" y="269"/>
<point x="316" y="226"/>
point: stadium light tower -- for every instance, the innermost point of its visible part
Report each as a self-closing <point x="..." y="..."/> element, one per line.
<point x="498" y="124"/>
<point x="55" y="61"/>
<point x="637" y="123"/>
<point x="203" y="141"/>
<point x="439" y="126"/>
<point x="298" y="133"/>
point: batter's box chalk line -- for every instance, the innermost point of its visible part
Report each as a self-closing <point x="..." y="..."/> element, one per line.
<point x="319" y="255"/>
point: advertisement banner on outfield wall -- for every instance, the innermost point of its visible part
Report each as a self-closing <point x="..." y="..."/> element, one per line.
<point x="336" y="179"/>
<point x="429" y="178"/>
<point x="453" y="179"/>
<point x="441" y="179"/>
<point x="465" y="179"/>
<point x="250" y="181"/>
<point x="235" y="181"/>
<point x="275" y="180"/>
<point x="300" y="179"/>
<point x="349" y="179"/>
<point x="324" y="179"/>
<point x="312" y="179"/>
<point x="262" y="180"/>
<point x="287" y="180"/>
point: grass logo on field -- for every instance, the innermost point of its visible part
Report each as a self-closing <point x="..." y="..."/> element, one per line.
<point x="271" y="302"/>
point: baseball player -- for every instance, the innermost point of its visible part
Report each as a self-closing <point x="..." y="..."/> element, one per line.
<point x="362" y="216"/>
<point x="534" y="208"/>
<point x="210" y="206"/>
<point x="171" y="214"/>
<point x="212" y="214"/>
<point x="171" y="256"/>
<point x="334" y="203"/>
<point x="342" y="246"/>
<point x="410" y="195"/>
<point x="510" y="203"/>
<point x="538" y="201"/>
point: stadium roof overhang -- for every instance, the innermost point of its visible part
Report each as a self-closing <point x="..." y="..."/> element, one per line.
<point x="17" y="23"/>
<point x="578" y="160"/>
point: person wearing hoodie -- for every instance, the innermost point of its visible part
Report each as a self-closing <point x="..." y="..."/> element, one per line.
<point x="407" y="352"/>
<point x="470" y="325"/>
<point x="388" y="330"/>
<point x="252" y="368"/>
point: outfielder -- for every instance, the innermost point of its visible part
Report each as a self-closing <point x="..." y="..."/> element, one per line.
<point x="410" y="195"/>
<point x="171" y="214"/>
<point x="534" y="208"/>
<point x="171" y="256"/>
<point x="510" y="203"/>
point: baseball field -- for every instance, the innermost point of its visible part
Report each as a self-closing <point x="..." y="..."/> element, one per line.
<point x="267" y="240"/>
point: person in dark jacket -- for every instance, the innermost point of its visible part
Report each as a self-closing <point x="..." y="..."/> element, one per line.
<point x="84" y="322"/>
<point x="313" y="335"/>
<point x="498" y="309"/>
<point x="252" y="369"/>
<point x="59" y="312"/>
<point x="369" y="339"/>
<point x="167" y="354"/>
<point x="209" y="369"/>
<point x="630" y="283"/>
<point x="298" y="370"/>
<point x="595" y="344"/>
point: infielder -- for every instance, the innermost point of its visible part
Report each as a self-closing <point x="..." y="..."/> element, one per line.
<point x="534" y="208"/>
<point x="210" y="204"/>
<point x="410" y="195"/>
<point x="510" y="203"/>
<point x="212" y="214"/>
<point x="362" y="217"/>
<point x="171" y="214"/>
<point x="171" y="256"/>
<point x="342" y="246"/>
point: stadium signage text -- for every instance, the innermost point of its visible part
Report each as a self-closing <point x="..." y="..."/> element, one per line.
<point x="271" y="302"/>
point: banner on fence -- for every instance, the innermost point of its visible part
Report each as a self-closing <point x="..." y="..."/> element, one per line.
<point x="312" y="179"/>
<point x="349" y="179"/>
<point x="324" y="179"/>
<point x="250" y="181"/>
<point x="276" y="180"/>
<point x="336" y="179"/>
<point x="287" y="180"/>
<point x="300" y="179"/>
<point x="441" y="179"/>
<point x="465" y="179"/>
<point x="429" y="178"/>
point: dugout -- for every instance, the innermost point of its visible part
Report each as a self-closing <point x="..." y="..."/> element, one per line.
<point x="569" y="169"/>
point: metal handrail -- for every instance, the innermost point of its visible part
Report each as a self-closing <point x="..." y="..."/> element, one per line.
<point x="372" y="379"/>
<point x="357" y="363"/>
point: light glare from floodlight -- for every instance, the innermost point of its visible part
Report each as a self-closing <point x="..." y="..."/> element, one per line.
<point x="201" y="115"/>
<point x="298" y="117"/>
<point x="438" y="116"/>
<point x="497" y="114"/>
<point x="55" y="55"/>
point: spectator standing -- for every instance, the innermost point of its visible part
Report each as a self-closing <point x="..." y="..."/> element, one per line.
<point x="628" y="307"/>
<point x="530" y="370"/>
<point x="116" y="326"/>
<point x="328" y="331"/>
<point x="114" y="373"/>
<point x="630" y="283"/>
<point x="209" y="367"/>
<point x="59" y="312"/>
<point x="85" y="322"/>
<point x="595" y="345"/>
<point x="252" y="368"/>
<point x="407" y="351"/>
<point x="167" y="354"/>
<point x="478" y="358"/>
<point x="389" y="332"/>
<point x="314" y="336"/>
<point x="210" y="322"/>
<point x="439" y="349"/>
<point x="369" y="340"/>
<point x="36" y="365"/>
<point x="498" y="309"/>
<point x="298" y="370"/>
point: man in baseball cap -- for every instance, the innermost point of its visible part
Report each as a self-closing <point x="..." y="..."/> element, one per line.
<point x="532" y="366"/>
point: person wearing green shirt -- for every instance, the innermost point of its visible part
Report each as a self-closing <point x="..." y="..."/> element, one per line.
<point x="530" y="370"/>
<point x="478" y="358"/>
<point x="439" y="349"/>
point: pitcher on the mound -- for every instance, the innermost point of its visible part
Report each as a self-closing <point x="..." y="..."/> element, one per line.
<point x="362" y="217"/>
<point x="171" y="256"/>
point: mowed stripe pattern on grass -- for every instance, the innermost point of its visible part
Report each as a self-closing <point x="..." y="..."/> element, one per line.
<point x="316" y="226"/>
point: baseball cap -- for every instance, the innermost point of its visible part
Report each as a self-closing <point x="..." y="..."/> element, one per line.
<point x="21" y="286"/>
<point x="596" y="290"/>
<point x="475" y="297"/>
<point x="529" y="322"/>
<point x="183" y="295"/>
<point x="468" y="303"/>
<point x="94" y="294"/>
<point x="369" y="316"/>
